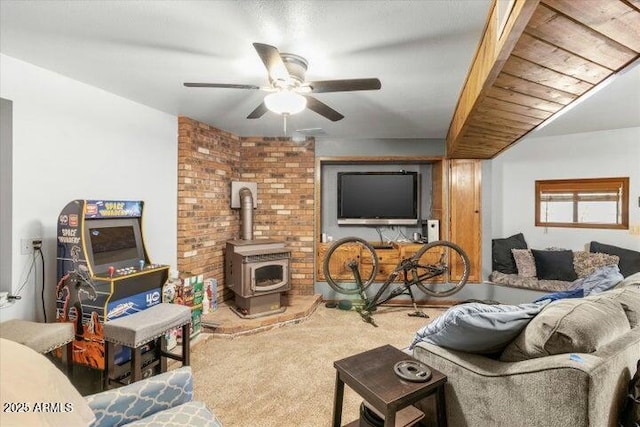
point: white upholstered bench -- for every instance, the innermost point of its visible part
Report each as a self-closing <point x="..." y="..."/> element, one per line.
<point x="138" y="329"/>
<point x="41" y="337"/>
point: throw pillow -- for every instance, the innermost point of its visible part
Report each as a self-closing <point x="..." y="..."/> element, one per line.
<point x="477" y="327"/>
<point x="629" y="262"/>
<point x="554" y="265"/>
<point x="29" y="377"/>
<point x="586" y="263"/>
<point x="580" y="325"/>
<point x="502" y="258"/>
<point x="524" y="262"/>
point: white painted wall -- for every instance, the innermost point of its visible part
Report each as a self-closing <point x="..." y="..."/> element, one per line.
<point x="74" y="141"/>
<point x="610" y="153"/>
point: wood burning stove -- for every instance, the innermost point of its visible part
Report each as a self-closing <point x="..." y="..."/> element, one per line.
<point x="257" y="271"/>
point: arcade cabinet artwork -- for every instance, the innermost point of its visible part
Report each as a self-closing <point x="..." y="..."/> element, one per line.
<point x="103" y="272"/>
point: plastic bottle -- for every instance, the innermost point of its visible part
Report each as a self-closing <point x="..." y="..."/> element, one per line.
<point x="205" y="303"/>
<point x="213" y="298"/>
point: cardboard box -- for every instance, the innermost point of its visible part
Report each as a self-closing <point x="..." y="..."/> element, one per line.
<point x="197" y="284"/>
<point x="211" y="289"/>
<point x="196" y="322"/>
<point x="186" y="292"/>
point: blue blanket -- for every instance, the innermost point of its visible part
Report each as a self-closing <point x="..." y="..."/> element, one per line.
<point x="600" y="280"/>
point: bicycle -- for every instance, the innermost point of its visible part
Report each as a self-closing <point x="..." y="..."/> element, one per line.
<point x="438" y="269"/>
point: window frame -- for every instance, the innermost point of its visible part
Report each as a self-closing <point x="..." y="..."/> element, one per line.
<point x="576" y="185"/>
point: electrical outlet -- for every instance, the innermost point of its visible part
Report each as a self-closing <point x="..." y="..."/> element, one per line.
<point x="27" y="245"/>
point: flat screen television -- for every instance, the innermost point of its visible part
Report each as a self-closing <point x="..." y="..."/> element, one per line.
<point x="114" y="242"/>
<point x="378" y="198"/>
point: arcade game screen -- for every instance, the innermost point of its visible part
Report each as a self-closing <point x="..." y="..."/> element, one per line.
<point x="113" y="244"/>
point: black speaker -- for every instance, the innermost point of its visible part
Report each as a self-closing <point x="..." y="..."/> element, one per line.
<point x="425" y="228"/>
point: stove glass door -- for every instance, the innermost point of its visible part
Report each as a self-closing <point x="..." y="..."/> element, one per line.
<point x="269" y="276"/>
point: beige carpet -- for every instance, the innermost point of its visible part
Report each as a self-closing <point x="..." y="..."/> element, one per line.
<point x="285" y="376"/>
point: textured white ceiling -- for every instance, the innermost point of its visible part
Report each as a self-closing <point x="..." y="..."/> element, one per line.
<point x="145" y="50"/>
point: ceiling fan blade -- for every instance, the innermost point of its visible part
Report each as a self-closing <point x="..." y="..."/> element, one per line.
<point x="273" y="61"/>
<point x="323" y="109"/>
<point x="258" y="112"/>
<point x="347" y="85"/>
<point x="222" y="85"/>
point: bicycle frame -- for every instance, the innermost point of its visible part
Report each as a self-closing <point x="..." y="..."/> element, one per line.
<point x="404" y="266"/>
<point x="433" y="260"/>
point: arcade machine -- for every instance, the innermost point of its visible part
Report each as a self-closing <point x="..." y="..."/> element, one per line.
<point x="104" y="273"/>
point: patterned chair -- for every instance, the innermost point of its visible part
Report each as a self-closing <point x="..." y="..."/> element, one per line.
<point x="164" y="399"/>
<point x="29" y="379"/>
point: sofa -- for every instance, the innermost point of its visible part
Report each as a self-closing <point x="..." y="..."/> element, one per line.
<point x="515" y="264"/>
<point x="35" y="392"/>
<point x="569" y="366"/>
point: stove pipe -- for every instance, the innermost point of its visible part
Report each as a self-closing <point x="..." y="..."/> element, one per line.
<point x="246" y="213"/>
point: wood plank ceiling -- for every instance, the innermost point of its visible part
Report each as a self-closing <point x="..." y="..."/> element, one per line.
<point x="550" y="53"/>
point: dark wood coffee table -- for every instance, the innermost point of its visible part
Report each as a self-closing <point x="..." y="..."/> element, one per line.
<point x="371" y="375"/>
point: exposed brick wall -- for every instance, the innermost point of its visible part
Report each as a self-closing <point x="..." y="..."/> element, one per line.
<point x="284" y="171"/>
<point x="208" y="160"/>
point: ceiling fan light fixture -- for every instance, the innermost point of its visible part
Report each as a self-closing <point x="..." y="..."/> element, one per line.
<point x="285" y="102"/>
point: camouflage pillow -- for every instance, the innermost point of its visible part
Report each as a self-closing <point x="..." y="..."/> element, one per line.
<point x="524" y="262"/>
<point x="586" y="263"/>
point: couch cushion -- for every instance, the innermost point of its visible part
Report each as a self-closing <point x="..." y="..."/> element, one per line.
<point x="585" y="263"/>
<point x="554" y="265"/>
<point x="629" y="262"/>
<point x="629" y="299"/>
<point x="502" y="258"/>
<point x="569" y="326"/>
<point x="477" y="327"/>
<point x="30" y="379"/>
<point x="632" y="281"/>
<point x="524" y="262"/>
<point x="529" y="282"/>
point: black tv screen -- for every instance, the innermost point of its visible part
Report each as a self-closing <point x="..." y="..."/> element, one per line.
<point x="378" y="198"/>
<point x="114" y="242"/>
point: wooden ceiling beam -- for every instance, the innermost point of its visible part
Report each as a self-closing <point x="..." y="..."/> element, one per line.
<point x="549" y="55"/>
<point x="558" y="30"/>
<point x="560" y="60"/>
<point x="493" y="51"/>
<point x="611" y="19"/>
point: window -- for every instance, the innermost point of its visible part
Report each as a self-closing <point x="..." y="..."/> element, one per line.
<point x="583" y="203"/>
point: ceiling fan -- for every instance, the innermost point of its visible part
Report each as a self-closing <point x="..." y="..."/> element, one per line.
<point x="289" y="90"/>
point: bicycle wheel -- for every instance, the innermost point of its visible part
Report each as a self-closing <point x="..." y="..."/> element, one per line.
<point x="342" y="256"/>
<point x="441" y="268"/>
